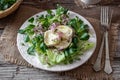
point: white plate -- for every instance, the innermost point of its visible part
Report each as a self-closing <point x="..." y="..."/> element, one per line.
<point x="33" y="60"/>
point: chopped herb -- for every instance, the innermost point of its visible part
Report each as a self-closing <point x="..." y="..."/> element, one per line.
<point x="22" y="44"/>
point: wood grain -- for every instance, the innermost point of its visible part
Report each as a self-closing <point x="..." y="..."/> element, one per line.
<point x="15" y="72"/>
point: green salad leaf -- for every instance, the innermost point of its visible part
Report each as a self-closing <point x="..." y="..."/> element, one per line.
<point x="61" y="10"/>
<point x="4" y="4"/>
<point x="31" y="20"/>
<point x="31" y="50"/>
<point x="48" y="19"/>
<point x="27" y="38"/>
<point x="28" y="30"/>
<point x="21" y="31"/>
<point x="60" y="58"/>
<point x="43" y="47"/>
<point x="80" y="28"/>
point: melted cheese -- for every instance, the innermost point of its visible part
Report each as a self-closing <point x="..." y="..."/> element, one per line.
<point x="67" y="31"/>
<point x="63" y="44"/>
<point x="51" y="38"/>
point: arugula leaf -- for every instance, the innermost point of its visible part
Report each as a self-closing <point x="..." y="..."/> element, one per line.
<point x="31" y="50"/>
<point x="49" y="12"/>
<point x="75" y="23"/>
<point x="30" y="26"/>
<point x="36" y="41"/>
<point x="21" y="31"/>
<point x="68" y="57"/>
<point x="28" y="30"/>
<point x="44" y="22"/>
<point x="50" y="18"/>
<point x="43" y="47"/>
<point x="75" y="40"/>
<point x="38" y="38"/>
<point x="72" y="50"/>
<point x="80" y="28"/>
<point x="31" y="20"/>
<point x="66" y="53"/>
<point x="61" y="10"/>
<point x="72" y="23"/>
<point x="27" y="38"/>
<point x="85" y="36"/>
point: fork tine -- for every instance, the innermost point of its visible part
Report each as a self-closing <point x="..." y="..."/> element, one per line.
<point x="107" y="15"/>
<point x="104" y="15"/>
<point x="101" y="17"/>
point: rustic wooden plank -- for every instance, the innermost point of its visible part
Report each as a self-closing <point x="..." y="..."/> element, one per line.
<point x="28" y="74"/>
<point x="116" y="68"/>
<point x="13" y="72"/>
<point x="36" y="74"/>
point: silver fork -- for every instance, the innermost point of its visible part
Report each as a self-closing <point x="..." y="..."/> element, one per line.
<point x="105" y="23"/>
<point x="97" y="65"/>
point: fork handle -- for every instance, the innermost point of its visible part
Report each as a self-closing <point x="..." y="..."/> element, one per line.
<point x="107" y="68"/>
<point x="97" y="65"/>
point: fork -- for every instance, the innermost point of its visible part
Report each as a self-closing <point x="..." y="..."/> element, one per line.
<point x="105" y="23"/>
<point x="97" y="65"/>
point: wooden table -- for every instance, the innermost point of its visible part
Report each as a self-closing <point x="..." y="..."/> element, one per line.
<point x="9" y="71"/>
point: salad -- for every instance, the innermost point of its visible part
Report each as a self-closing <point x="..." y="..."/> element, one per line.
<point x="55" y="38"/>
<point x="5" y="4"/>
